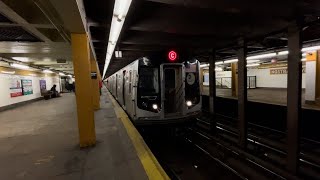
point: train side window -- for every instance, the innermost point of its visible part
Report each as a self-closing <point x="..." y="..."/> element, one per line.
<point x="130" y="81"/>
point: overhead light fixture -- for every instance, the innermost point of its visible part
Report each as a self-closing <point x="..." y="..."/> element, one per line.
<point x="218" y="63"/>
<point x="253" y="65"/>
<point x="121" y="8"/>
<point x="20" y="66"/>
<point x="252" y="61"/>
<point x="261" y="56"/>
<point x="47" y="71"/>
<point x="22" y="59"/>
<point x="230" y="61"/>
<point x="120" y="54"/>
<point x="120" y="11"/>
<point x="283" y="53"/>
<point x="311" y="48"/>
<point x="204" y="65"/>
<point x="61" y="74"/>
<point x="8" y="72"/>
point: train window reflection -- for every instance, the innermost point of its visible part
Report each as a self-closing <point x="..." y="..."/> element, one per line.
<point x="148" y="80"/>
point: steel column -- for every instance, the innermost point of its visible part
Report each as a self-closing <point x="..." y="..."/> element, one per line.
<point x="212" y="91"/>
<point x="294" y="96"/>
<point x="242" y="93"/>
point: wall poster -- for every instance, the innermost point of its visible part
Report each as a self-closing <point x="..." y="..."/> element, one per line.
<point x="27" y="86"/>
<point x="15" y="87"/>
<point x="43" y="86"/>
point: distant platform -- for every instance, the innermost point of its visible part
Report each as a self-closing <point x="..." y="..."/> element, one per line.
<point x="275" y="96"/>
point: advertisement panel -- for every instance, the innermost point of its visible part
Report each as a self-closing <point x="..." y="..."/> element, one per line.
<point x="43" y="86"/>
<point x="27" y="86"/>
<point x="15" y="87"/>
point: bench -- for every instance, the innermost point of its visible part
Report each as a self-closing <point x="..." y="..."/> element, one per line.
<point x="49" y="94"/>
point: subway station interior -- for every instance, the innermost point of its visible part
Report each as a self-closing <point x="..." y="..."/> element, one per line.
<point x="159" y="89"/>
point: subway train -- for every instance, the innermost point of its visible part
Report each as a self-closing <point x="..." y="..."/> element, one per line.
<point x="158" y="89"/>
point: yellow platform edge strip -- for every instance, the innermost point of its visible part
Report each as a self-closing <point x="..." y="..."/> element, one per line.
<point x="150" y="164"/>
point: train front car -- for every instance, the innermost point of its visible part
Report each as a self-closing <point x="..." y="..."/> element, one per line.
<point x="168" y="91"/>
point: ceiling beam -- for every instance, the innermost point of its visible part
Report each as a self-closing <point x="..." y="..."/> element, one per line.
<point x="45" y="26"/>
<point x="12" y="15"/>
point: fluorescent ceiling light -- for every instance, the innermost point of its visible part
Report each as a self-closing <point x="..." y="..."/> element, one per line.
<point x="252" y="65"/>
<point x="120" y="54"/>
<point x="204" y="65"/>
<point x="8" y="72"/>
<point x="262" y="56"/>
<point x="231" y="61"/>
<point x="19" y="66"/>
<point x="218" y="63"/>
<point x="47" y="71"/>
<point x="116" y="54"/>
<point x="252" y="61"/>
<point x="121" y="8"/>
<point x="61" y="74"/>
<point x="115" y="30"/>
<point x="283" y="53"/>
<point x="22" y="59"/>
<point x="120" y="11"/>
<point x="311" y="48"/>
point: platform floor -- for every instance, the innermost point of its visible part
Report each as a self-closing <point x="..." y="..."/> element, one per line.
<point x="265" y="95"/>
<point x="40" y="141"/>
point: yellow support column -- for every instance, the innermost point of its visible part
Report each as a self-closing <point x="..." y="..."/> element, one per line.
<point x="81" y="63"/>
<point x="95" y="86"/>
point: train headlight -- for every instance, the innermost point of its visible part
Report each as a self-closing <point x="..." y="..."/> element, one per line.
<point x="189" y="103"/>
<point x="154" y="106"/>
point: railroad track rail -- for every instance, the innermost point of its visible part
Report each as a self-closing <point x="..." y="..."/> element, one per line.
<point x="268" y="147"/>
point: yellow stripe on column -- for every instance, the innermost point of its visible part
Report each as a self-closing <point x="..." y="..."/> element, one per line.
<point x="81" y="63"/>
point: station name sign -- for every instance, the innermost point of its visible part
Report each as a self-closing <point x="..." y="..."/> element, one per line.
<point x="283" y="71"/>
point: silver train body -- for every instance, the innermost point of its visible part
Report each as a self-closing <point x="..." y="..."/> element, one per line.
<point x="157" y="94"/>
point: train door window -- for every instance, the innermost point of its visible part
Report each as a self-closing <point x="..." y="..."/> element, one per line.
<point x="170" y="81"/>
<point x="130" y="81"/>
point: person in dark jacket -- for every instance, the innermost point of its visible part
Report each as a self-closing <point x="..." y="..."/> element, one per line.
<point x="54" y="91"/>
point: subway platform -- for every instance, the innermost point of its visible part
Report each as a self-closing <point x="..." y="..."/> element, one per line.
<point x="40" y="141"/>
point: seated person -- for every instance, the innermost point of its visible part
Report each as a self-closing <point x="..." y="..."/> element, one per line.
<point x="54" y="91"/>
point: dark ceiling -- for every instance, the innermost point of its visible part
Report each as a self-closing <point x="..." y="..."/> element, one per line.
<point x="199" y="26"/>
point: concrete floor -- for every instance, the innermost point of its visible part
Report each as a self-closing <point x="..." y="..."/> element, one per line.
<point x="40" y="141"/>
<point x="265" y="95"/>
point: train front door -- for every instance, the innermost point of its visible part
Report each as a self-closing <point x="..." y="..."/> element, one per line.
<point x="172" y="89"/>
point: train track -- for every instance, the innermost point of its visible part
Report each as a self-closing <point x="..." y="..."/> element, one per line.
<point x="266" y="149"/>
<point x="183" y="158"/>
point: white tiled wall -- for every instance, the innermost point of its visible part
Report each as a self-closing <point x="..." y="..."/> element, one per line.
<point x="5" y="98"/>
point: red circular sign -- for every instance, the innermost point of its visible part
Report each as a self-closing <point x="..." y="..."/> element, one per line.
<point x="172" y="55"/>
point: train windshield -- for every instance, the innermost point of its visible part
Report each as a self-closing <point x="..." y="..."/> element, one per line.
<point x="148" y="80"/>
